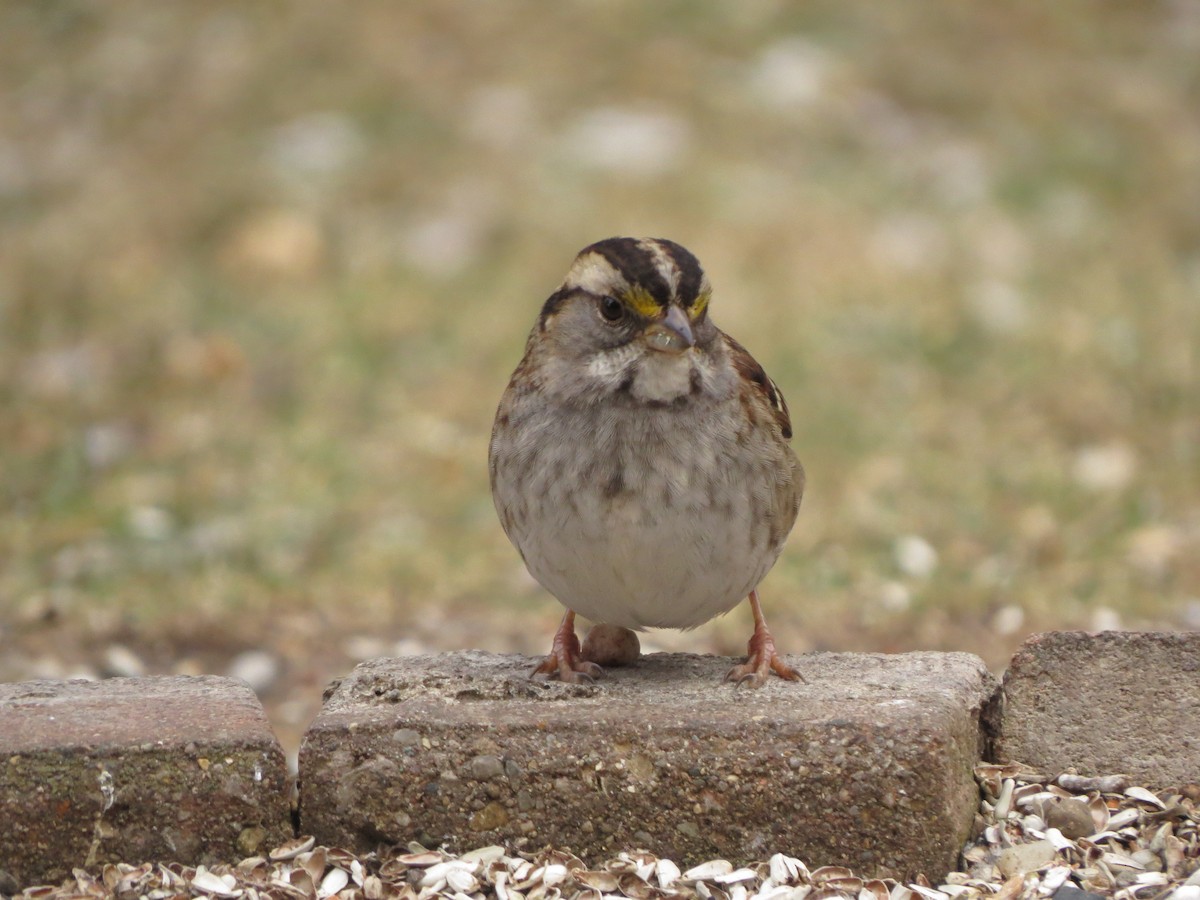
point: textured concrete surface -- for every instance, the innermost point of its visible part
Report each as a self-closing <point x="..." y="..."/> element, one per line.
<point x="136" y="769"/>
<point x="1104" y="703"/>
<point x="868" y="764"/>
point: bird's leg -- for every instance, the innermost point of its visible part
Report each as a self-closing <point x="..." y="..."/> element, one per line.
<point x="565" y="661"/>
<point x="762" y="658"/>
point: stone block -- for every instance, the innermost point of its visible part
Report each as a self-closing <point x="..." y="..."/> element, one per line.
<point x="868" y="764"/>
<point x="133" y="770"/>
<point x="1114" y="702"/>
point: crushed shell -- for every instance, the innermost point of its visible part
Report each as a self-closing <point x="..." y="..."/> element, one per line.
<point x="1145" y="845"/>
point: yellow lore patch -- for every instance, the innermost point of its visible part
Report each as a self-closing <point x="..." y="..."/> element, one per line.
<point x="642" y="302"/>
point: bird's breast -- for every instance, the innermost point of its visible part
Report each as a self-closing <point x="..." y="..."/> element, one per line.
<point x="641" y="520"/>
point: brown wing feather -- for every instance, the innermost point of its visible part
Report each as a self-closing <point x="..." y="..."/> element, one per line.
<point x="749" y="368"/>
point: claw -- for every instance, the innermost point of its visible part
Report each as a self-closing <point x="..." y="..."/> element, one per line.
<point x="762" y="659"/>
<point x="743" y="679"/>
<point x="566" y="662"/>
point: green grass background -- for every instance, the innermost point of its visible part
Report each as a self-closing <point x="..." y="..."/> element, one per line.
<point x="265" y="269"/>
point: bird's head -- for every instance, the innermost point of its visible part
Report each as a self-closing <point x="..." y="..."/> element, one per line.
<point x="632" y="315"/>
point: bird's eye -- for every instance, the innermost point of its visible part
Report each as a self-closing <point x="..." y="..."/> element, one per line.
<point x="611" y="308"/>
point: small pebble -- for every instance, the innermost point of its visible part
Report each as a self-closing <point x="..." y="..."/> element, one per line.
<point x="484" y="768"/>
<point x="8" y="884"/>
<point x="1070" y="892"/>
<point x="1021" y="858"/>
<point x="611" y="646"/>
<point x="406" y="737"/>
<point x="121" y="662"/>
<point x="257" y="668"/>
<point x="915" y="556"/>
<point x="1072" y="817"/>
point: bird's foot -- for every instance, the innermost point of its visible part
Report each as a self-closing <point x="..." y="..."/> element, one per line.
<point x="760" y="663"/>
<point x="565" y="661"/>
<point x="761" y="659"/>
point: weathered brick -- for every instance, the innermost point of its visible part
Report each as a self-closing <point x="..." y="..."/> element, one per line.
<point x="136" y="769"/>
<point x="868" y="764"/>
<point x="1114" y="702"/>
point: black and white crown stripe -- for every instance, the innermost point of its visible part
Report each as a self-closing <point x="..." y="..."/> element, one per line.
<point x="663" y="269"/>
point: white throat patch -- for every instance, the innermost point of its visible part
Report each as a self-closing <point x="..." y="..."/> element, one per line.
<point x="663" y="377"/>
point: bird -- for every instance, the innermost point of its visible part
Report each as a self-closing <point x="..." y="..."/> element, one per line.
<point x="639" y="460"/>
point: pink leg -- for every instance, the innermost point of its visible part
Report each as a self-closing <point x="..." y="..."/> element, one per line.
<point x="565" y="661"/>
<point x="762" y="659"/>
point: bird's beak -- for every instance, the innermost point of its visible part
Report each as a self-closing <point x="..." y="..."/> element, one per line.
<point x="672" y="333"/>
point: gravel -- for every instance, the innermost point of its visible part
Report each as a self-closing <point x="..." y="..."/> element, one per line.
<point x="1065" y="838"/>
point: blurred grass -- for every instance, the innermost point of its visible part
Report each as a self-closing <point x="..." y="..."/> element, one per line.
<point x="265" y="269"/>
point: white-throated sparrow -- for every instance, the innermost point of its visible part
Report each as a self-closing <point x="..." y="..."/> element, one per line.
<point x="639" y="459"/>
